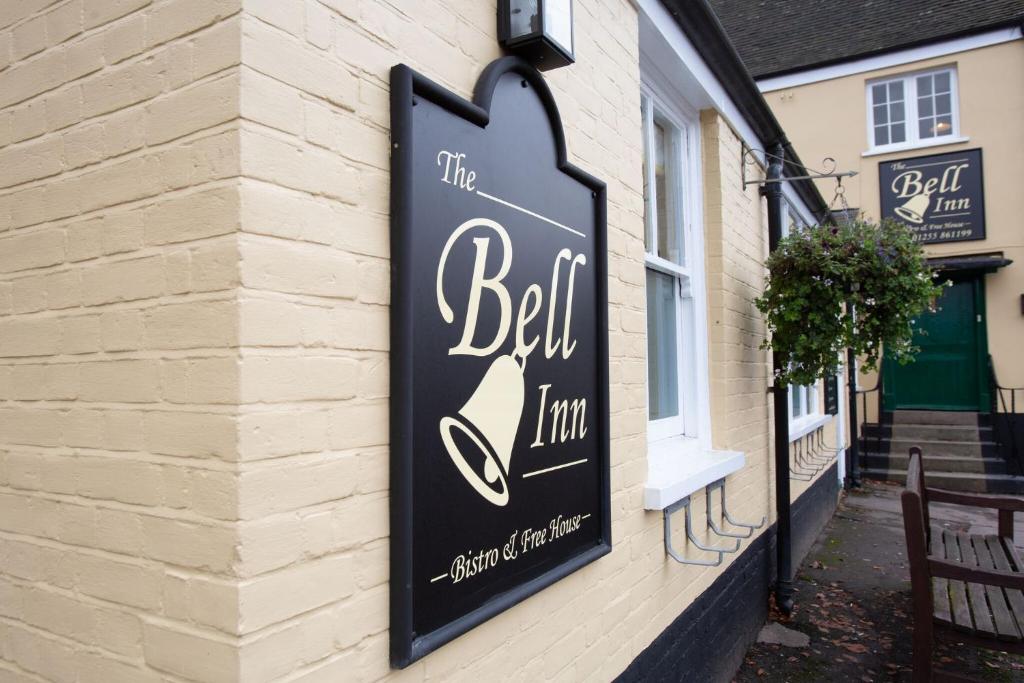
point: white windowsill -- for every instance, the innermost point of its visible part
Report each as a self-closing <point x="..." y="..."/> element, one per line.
<point x="937" y="142"/>
<point x="673" y="475"/>
<point x="806" y="425"/>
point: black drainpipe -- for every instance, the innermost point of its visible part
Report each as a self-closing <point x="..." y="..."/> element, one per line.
<point x="772" y="190"/>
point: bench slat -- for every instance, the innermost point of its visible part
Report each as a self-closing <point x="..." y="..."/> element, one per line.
<point x="957" y="589"/>
<point x="940" y="585"/>
<point x="1006" y="626"/>
<point x="975" y="591"/>
<point x="1011" y="552"/>
<point x="1014" y="597"/>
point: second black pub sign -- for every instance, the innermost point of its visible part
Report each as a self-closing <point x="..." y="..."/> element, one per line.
<point x="499" y="354"/>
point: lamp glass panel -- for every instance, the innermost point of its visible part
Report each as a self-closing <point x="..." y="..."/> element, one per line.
<point x="524" y="18"/>
<point x="558" y="22"/>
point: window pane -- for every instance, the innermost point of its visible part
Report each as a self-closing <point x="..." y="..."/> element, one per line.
<point x="942" y="82"/>
<point x="896" y="90"/>
<point x="924" y="85"/>
<point x="896" y="112"/>
<point x="943" y="104"/>
<point x="662" y="346"/>
<point x="925" y="127"/>
<point x="667" y="171"/>
<point x="881" y="114"/>
<point x="944" y="125"/>
<point x="924" y="106"/>
<point x="661" y="210"/>
<point x="899" y="133"/>
<point x="881" y="135"/>
<point x="878" y="93"/>
<point x="798" y="400"/>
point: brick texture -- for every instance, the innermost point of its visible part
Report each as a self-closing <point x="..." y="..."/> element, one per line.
<point x="119" y="372"/>
<point x="194" y="342"/>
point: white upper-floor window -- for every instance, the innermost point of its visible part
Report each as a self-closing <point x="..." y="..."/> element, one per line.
<point x="913" y="109"/>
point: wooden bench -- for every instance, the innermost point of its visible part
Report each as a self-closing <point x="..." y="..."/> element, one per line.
<point x="966" y="587"/>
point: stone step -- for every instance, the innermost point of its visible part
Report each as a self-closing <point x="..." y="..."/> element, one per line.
<point x="934" y="417"/>
<point x="929" y="432"/>
<point x="936" y="463"/>
<point x="955" y="481"/>
<point x="928" y="447"/>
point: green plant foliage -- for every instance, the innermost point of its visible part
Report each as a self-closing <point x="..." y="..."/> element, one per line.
<point x="815" y="271"/>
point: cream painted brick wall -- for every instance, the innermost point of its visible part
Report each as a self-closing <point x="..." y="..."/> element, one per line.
<point x="314" y="334"/>
<point x="194" y="342"/>
<point x="119" y="373"/>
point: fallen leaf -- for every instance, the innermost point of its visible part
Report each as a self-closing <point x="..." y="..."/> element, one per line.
<point x="855" y="647"/>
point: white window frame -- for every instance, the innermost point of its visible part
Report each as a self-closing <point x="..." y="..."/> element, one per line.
<point x="690" y="431"/>
<point x="911" y="120"/>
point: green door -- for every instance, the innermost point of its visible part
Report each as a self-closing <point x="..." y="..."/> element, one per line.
<point x="949" y="373"/>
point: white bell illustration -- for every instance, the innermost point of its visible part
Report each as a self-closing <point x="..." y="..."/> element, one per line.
<point x="490" y="420"/>
<point x="914" y="209"/>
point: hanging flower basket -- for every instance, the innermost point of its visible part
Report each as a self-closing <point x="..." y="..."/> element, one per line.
<point x="814" y="276"/>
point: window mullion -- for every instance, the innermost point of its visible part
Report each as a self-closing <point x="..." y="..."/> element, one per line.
<point x="913" y="123"/>
<point x="665" y="266"/>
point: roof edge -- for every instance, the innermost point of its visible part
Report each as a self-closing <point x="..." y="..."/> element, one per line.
<point x="703" y="28"/>
<point x="1017" y="22"/>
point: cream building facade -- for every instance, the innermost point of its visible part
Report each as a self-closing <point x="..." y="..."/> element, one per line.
<point x="194" y="344"/>
<point x="834" y="99"/>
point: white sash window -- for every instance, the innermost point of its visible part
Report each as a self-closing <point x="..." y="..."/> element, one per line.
<point x="676" y="347"/>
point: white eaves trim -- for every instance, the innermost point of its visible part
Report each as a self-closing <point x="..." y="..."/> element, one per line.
<point x="915" y="54"/>
<point x="663" y="45"/>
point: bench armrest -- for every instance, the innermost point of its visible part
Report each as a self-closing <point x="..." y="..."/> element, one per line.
<point x="962" y="572"/>
<point x="984" y="500"/>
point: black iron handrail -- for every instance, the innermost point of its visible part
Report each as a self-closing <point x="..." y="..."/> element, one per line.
<point x="862" y="437"/>
<point x="998" y="399"/>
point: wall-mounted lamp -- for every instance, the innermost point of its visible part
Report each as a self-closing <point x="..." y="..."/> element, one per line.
<point x="541" y="31"/>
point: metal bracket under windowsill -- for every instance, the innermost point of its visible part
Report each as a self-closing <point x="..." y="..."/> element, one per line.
<point x="811" y="453"/>
<point x="720" y="485"/>
<point x="684" y="504"/>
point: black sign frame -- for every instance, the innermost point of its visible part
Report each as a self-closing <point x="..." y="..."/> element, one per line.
<point x="925" y="230"/>
<point x="407" y="88"/>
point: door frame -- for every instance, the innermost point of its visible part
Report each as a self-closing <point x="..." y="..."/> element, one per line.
<point x="984" y="405"/>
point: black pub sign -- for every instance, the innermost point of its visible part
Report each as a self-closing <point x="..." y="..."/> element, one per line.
<point x="499" y="354"/>
<point x="940" y="197"/>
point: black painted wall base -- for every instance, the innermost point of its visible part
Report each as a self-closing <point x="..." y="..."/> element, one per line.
<point x="708" y="640"/>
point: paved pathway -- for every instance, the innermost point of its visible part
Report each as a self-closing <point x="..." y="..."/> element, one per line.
<point x="853" y="600"/>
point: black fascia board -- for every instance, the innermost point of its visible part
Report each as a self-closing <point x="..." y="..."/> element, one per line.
<point x="700" y="24"/>
<point x="1016" y="22"/>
